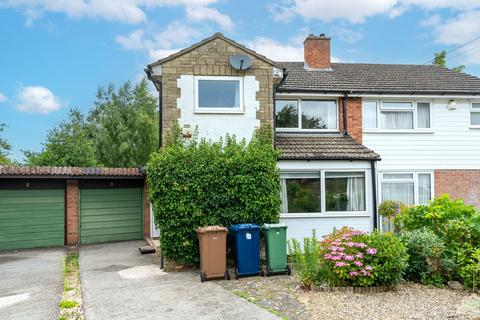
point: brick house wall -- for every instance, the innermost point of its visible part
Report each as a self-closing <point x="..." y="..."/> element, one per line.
<point x="459" y="184"/>
<point x="354" y="117"/>
<point x="211" y="59"/>
<point x="71" y="204"/>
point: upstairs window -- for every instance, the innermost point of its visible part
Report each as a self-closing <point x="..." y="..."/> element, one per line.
<point x="475" y="115"/>
<point x="310" y="115"/>
<point x="218" y="94"/>
<point x="396" y="115"/>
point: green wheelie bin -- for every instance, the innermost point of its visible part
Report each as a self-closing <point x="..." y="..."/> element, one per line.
<point x="276" y="249"/>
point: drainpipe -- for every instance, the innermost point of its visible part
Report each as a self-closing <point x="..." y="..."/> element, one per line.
<point x="374" y="193"/>
<point x="158" y="85"/>
<point x="344" y="110"/>
<point x="274" y="90"/>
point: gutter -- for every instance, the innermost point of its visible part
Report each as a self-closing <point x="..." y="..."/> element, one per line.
<point x="355" y="93"/>
<point x="158" y="85"/>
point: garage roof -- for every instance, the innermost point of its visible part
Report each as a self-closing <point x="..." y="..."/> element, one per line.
<point x="69" y="171"/>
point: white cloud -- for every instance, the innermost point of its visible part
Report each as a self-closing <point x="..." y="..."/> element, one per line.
<point x="2" y="97"/>
<point x="125" y="11"/>
<point x="160" y="44"/>
<point x="37" y="99"/>
<point x="277" y="51"/>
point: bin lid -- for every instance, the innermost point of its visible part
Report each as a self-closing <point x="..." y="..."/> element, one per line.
<point x="274" y="225"/>
<point x="208" y="229"/>
<point x="244" y="226"/>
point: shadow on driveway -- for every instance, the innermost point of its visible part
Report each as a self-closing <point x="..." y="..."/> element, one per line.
<point x="120" y="283"/>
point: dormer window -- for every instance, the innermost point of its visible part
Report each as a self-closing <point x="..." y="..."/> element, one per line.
<point x="306" y="115"/>
<point x="218" y="95"/>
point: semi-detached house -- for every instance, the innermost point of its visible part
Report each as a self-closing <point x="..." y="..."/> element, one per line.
<point x="351" y="134"/>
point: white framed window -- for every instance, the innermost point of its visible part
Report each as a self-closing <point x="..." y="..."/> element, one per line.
<point x="410" y="188"/>
<point x="323" y="192"/>
<point x="218" y="94"/>
<point x="475" y="114"/>
<point x="306" y="115"/>
<point x="396" y="115"/>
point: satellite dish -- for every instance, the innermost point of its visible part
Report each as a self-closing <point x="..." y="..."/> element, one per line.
<point x="240" y="61"/>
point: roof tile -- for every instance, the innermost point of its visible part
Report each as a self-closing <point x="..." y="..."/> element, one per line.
<point x="68" y="171"/>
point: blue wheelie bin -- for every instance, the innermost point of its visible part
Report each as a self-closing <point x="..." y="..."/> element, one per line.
<point x="246" y="245"/>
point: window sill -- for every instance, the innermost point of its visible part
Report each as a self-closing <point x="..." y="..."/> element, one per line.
<point x="219" y="111"/>
<point x="296" y="130"/>
<point x="400" y="131"/>
<point x="474" y="127"/>
<point x="340" y="214"/>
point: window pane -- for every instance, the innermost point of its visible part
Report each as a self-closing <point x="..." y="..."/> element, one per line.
<point x="475" y="118"/>
<point x="475" y="105"/>
<point x="345" y="191"/>
<point x="218" y="94"/>
<point x="319" y="114"/>
<point x="397" y="120"/>
<point x="303" y="195"/>
<point x="369" y="115"/>
<point x="398" y="176"/>
<point x="424" y="188"/>
<point x="397" y="105"/>
<point x="286" y="114"/>
<point x="402" y="192"/>
<point x="423" y="115"/>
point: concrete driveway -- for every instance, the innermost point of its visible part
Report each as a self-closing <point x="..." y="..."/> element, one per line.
<point x="119" y="283"/>
<point x="31" y="284"/>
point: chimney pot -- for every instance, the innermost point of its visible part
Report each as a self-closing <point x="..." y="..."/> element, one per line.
<point x="316" y="51"/>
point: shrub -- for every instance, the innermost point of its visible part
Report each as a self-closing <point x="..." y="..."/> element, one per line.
<point x="350" y="257"/>
<point x="428" y="262"/>
<point x="456" y="224"/>
<point x="211" y="183"/>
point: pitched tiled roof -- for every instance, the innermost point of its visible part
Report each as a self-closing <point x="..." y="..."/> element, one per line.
<point x="68" y="171"/>
<point x="379" y="78"/>
<point x="303" y="146"/>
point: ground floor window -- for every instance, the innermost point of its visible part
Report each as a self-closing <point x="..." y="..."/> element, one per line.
<point x="411" y="188"/>
<point x="324" y="191"/>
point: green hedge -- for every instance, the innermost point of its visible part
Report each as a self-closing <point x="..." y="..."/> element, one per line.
<point x="211" y="183"/>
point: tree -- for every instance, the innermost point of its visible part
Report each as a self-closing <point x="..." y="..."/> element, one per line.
<point x="5" y="147"/>
<point x="125" y="125"/>
<point x="69" y="143"/>
<point x="440" y="60"/>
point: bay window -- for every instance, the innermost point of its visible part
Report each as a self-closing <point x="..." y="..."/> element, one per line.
<point x="325" y="191"/>
<point x="298" y="114"/>
<point x="408" y="188"/>
<point x="475" y="114"/>
<point x="387" y="115"/>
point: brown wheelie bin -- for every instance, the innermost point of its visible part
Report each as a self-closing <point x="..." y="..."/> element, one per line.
<point x="213" y="252"/>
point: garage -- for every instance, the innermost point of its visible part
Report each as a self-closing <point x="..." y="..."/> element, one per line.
<point x="110" y="214"/>
<point x="32" y="215"/>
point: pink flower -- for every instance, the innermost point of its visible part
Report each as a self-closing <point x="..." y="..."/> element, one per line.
<point x="353" y="273"/>
<point x="372" y="251"/>
<point x="335" y="243"/>
<point x="349" y="258"/>
<point x="357" y="232"/>
<point x="340" y="264"/>
<point x="370" y="268"/>
<point x="340" y="249"/>
<point x="336" y="258"/>
<point x="350" y="244"/>
<point x="365" y="273"/>
<point x="360" y="245"/>
<point x="359" y="255"/>
<point x="358" y="263"/>
<point x="328" y="256"/>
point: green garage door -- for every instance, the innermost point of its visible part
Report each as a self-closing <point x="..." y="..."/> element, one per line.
<point x="110" y="215"/>
<point x="31" y="218"/>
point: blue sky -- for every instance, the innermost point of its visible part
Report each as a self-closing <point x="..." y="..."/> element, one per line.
<point x="55" y="53"/>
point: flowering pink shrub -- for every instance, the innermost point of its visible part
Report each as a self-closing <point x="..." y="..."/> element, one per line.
<point x="350" y="257"/>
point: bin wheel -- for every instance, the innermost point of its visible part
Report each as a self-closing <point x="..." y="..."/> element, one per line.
<point x="227" y="275"/>
<point x="202" y="277"/>
<point x="236" y="274"/>
<point x="289" y="270"/>
<point x="261" y="272"/>
<point x="267" y="272"/>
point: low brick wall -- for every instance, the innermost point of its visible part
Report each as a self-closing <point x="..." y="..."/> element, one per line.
<point x="463" y="184"/>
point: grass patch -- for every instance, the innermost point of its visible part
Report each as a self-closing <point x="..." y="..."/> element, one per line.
<point x="67" y="304"/>
<point x="245" y="295"/>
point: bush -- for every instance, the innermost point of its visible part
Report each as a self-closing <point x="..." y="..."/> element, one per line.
<point x="211" y="183"/>
<point x="456" y="224"/>
<point x="351" y="258"/>
<point x="427" y="262"/>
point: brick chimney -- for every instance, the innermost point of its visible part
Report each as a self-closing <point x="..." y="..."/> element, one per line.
<point x="316" y="50"/>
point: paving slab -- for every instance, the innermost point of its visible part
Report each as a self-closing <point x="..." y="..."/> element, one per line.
<point x="120" y="283"/>
<point x="31" y="284"/>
